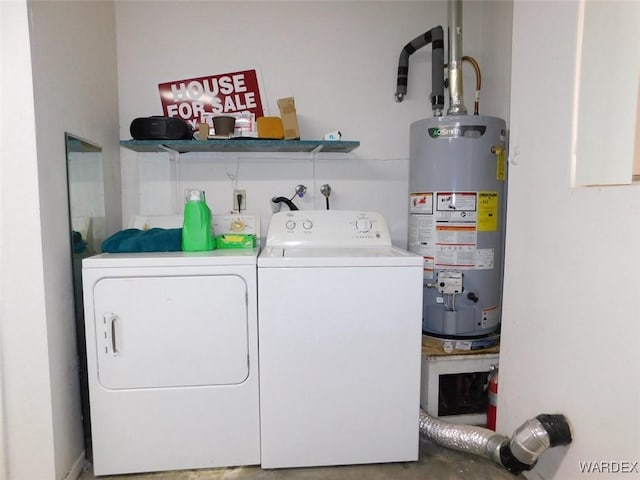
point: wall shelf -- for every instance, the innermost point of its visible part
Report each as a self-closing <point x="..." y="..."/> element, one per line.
<point x="257" y="145"/>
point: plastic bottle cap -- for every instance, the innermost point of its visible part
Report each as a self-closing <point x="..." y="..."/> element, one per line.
<point x="195" y="195"/>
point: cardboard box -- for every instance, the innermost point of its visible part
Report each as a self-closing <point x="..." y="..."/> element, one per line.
<point x="289" y="117"/>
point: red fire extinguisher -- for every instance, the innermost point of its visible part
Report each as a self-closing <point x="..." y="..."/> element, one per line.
<point x="493" y="398"/>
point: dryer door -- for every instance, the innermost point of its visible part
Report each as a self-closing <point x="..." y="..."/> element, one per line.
<point x="171" y="331"/>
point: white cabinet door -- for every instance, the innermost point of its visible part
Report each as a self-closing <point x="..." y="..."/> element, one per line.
<point x="171" y="331"/>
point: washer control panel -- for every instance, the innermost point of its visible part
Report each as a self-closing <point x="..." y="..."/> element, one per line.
<point x="328" y="228"/>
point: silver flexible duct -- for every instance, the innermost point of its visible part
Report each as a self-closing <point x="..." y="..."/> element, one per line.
<point x="517" y="454"/>
<point x="463" y="438"/>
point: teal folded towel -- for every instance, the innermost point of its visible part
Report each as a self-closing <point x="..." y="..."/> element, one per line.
<point x="152" y="240"/>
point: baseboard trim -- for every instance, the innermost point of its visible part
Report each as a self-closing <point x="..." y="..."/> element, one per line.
<point x="532" y="475"/>
<point x="77" y="468"/>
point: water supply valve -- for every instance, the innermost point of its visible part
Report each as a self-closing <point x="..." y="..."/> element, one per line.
<point x="449" y="282"/>
<point x="301" y="190"/>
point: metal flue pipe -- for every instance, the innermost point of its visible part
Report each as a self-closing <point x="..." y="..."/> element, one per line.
<point x="456" y="93"/>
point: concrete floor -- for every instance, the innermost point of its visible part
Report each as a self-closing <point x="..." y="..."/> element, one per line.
<point x="436" y="463"/>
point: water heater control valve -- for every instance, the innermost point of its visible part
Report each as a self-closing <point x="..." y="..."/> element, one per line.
<point x="449" y="282"/>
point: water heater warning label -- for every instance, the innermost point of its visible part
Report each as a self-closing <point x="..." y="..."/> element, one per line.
<point x="487" y="211"/>
<point x="444" y="228"/>
<point x="490" y="316"/>
<point x="421" y="202"/>
<point x="455" y="246"/>
<point x="422" y="240"/>
<point x="456" y="201"/>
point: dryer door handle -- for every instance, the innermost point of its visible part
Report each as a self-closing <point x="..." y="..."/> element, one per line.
<point x="112" y="319"/>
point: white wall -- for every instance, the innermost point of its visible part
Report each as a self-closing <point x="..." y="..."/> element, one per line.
<point x="63" y="52"/>
<point x="338" y="59"/>
<point x="26" y="398"/>
<point x="570" y="336"/>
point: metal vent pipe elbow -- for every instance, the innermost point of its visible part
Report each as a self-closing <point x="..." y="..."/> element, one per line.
<point x="531" y="439"/>
<point x="518" y="454"/>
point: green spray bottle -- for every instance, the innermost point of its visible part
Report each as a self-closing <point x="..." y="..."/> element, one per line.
<point x="197" y="234"/>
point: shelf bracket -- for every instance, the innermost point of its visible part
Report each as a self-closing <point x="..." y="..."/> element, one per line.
<point x="174" y="159"/>
<point x="173" y="154"/>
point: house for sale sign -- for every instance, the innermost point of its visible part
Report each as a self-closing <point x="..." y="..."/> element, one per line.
<point x="197" y="100"/>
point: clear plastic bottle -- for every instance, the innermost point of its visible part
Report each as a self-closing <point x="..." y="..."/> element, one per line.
<point x="197" y="234"/>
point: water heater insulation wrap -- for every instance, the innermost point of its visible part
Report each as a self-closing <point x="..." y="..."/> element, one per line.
<point x="457" y="182"/>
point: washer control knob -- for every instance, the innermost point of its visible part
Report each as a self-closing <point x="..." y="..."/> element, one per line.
<point x="307" y="224"/>
<point x="290" y="225"/>
<point x="363" y="225"/>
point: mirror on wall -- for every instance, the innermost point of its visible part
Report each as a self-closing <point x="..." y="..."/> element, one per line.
<point x="86" y="194"/>
<point x="85" y="187"/>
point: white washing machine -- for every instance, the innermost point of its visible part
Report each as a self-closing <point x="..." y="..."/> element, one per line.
<point x="340" y="315"/>
<point x="172" y="360"/>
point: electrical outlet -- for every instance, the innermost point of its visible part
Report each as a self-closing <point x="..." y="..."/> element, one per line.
<point x="239" y="200"/>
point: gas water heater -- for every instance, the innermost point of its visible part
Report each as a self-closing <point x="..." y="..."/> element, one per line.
<point x="456" y="220"/>
<point x="457" y="188"/>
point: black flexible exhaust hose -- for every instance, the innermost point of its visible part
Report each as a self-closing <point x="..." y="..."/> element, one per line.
<point x="286" y="201"/>
<point x="435" y="36"/>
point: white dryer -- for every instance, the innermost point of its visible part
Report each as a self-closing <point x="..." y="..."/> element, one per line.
<point x="172" y="360"/>
<point x="340" y="315"/>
